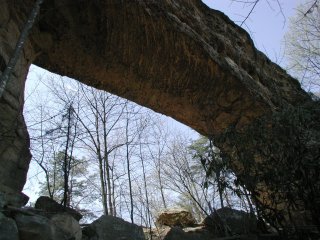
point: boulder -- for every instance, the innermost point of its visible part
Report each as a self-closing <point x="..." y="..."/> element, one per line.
<point x="51" y="207"/>
<point x="109" y="227"/>
<point x="177" y="233"/>
<point x="235" y="221"/>
<point x="37" y="227"/>
<point x="68" y="224"/>
<point x="8" y="228"/>
<point x="157" y="233"/>
<point x="9" y="197"/>
<point x="176" y="217"/>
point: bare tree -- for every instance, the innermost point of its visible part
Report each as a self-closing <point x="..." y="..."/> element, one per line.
<point x="128" y="162"/>
<point x="184" y="176"/>
<point x="303" y="45"/>
<point x="54" y="131"/>
<point x="157" y="150"/>
<point x="100" y="115"/>
<point x="144" y="174"/>
<point x="253" y="4"/>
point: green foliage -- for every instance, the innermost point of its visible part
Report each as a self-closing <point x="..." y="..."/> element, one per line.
<point x="55" y="185"/>
<point x="215" y="167"/>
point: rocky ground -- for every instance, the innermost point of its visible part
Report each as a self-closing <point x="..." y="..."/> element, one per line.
<point x="49" y="220"/>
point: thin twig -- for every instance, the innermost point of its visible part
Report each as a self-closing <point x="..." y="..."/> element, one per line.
<point x="253" y="7"/>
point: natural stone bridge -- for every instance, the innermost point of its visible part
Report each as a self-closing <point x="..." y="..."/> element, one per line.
<point x="177" y="57"/>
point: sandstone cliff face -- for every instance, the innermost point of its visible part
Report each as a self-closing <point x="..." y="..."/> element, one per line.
<point x="176" y="57"/>
<point x="14" y="138"/>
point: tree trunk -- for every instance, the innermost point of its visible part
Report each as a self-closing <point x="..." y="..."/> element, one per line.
<point x="106" y="160"/>
<point x="161" y="186"/>
<point x="220" y="190"/>
<point x="145" y="188"/>
<point x="128" y="169"/>
<point x="66" y="161"/>
<point x="103" y="188"/>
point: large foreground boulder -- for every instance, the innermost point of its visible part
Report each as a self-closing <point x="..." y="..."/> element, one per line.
<point x="68" y="224"/>
<point x="112" y="228"/>
<point x="176" y="218"/>
<point x="36" y="227"/>
<point x="8" y="228"/>
<point x="51" y="207"/>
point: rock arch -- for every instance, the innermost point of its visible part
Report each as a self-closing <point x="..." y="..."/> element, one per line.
<point x="177" y="57"/>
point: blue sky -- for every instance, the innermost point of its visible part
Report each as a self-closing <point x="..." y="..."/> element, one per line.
<point x="266" y="25"/>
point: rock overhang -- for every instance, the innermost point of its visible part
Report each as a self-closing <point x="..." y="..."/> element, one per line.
<point x="179" y="58"/>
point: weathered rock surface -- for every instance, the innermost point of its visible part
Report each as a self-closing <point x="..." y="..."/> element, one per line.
<point x="157" y="233"/>
<point x="176" y="218"/>
<point x="177" y="57"/>
<point x="8" y="228"/>
<point x="10" y="197"/>
<point x="51" y="208"/>
<point x="14" y="139"/>
<point x="37" y="227"/>
<point x="68" y="224"/>
<point x="237" y="222"/>
<point x="177" y="233"/>
<point x="108" y="227"/>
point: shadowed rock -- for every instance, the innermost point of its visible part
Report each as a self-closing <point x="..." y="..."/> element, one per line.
<point x="109" y="227"/>
<point x="8" y="228"/>
<point x="51" y="207"/>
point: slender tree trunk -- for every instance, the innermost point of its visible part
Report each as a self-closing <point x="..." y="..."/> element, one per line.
<point x="103" y="188"/>
<point x="145" y="189"/>
<point x="161" y="187"/>
<point x="54" y="175"/>
<point x="66" y="162"/>
<point x="106" y="160"/>
<point x="128" y="169"/>
<point x="71" y="159"/>
<point x="220" y="189"/>
<point x="114" y="198"/>
<point x="40" y="163"/>
<point x="111" y="207"/>
<point x="101" y="166"/>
